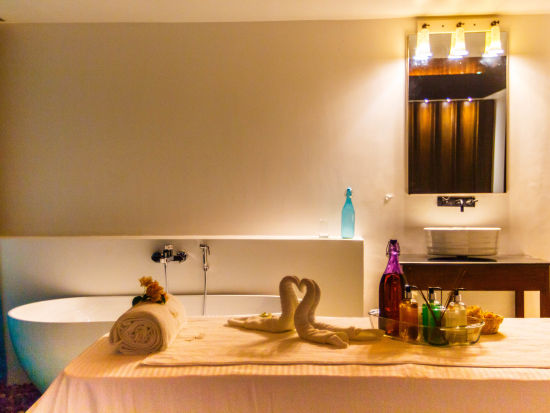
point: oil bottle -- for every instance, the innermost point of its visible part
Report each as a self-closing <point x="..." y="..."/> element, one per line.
<point x="390" y="292"/>
<point x="431" y="319"/>
<point x="454" y="318"/>
<point x="408" y="316"/>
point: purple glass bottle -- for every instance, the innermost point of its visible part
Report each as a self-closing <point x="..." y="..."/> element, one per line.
<point x="391" y="290"/>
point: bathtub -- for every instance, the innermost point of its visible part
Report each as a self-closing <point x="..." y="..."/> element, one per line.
<point x="46" y="335"/>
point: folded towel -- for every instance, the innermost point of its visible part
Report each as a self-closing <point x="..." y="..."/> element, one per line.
<point x="306" y="312"/>
<point x="148" y="327"/>
<point x="353" y="333"/>
<point x="309" y="329"/>
<point x="275" y="323"/>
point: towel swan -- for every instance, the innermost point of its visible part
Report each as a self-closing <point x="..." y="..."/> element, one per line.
<point x="306" y="312"/>
<point x="275" y="324"/>
<point x="353" y="333"/>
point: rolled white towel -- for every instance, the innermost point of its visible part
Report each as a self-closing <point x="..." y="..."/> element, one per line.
<point x="148" y="327"/>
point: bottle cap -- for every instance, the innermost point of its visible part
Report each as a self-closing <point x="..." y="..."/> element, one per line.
<point x="431" y="293"/>
<point x="457" y="296"/>
<point x="348" y="191"/>
<point x="393" y="245"/>
<point x="408" y="292"/>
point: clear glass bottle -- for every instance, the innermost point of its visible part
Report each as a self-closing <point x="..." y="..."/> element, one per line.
<point x="348" y="217"/>
<point x="455" y="316"/>
<point x="408" y="316"/>
<point x="390" y="292"/>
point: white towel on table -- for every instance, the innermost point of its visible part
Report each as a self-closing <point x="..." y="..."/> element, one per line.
<point x="148" y="327"/>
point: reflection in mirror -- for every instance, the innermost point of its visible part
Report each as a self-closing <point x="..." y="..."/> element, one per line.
<point x="457" y="118"/>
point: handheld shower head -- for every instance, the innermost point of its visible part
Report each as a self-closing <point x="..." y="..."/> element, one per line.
<point x="205" y="252"/>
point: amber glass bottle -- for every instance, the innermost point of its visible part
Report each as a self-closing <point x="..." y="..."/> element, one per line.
<point x="408" y="316"/>
<point x="390" y="293"/>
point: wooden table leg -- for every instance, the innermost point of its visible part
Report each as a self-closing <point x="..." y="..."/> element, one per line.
<point x="520" y="311"/>
<point x="544" y="303"/>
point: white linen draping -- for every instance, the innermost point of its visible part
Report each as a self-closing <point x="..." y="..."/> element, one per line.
<point x="526" y="345"/>
<point x="100" y="380"/>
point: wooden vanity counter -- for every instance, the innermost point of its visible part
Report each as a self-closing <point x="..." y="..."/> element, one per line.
<point x="501" y="273"/>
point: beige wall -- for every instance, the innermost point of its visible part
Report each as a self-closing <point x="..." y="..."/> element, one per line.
<point x="253" y="128"/>
<point x="243" y="128"/>
<point x="250" y="128"/>
<point x="529" y="127"/>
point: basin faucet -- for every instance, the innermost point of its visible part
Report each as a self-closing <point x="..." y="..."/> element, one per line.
<point x="471" y="202"/>
<point x="457" y="201"/>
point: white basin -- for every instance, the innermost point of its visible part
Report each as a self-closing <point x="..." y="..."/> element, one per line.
<point x="462" y="241"/>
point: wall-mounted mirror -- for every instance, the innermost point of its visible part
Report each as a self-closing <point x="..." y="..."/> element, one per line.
<point x="456" y="117"/>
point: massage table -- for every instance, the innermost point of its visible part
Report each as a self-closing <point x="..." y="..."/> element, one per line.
<point x="248" y="371"/>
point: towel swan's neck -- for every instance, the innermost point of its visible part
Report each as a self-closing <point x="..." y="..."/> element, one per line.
<point x="306" y="309"/>
<point x="289" y="299"/>
<point x="316" y="300"/>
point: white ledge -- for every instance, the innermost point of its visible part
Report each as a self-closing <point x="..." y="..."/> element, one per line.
<point x="192" y="237"/>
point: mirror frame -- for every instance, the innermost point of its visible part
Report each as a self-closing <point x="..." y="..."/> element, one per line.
<point x="503" y="131"/>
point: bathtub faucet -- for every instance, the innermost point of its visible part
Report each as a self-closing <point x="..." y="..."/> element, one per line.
<point x="168" y="254"/>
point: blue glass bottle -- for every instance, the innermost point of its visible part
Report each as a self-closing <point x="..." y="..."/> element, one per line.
<point x="348" y="217"/>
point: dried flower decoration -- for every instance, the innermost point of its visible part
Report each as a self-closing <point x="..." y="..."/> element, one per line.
<point x="154" y="293"/>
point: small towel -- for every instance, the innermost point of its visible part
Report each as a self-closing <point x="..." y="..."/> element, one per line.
<point x="309" y="329"/>
<point x="305" y="314"/>
<point x="274" y="323"/>
<point x="353" y="333"/>
<point x="148" y="327"/>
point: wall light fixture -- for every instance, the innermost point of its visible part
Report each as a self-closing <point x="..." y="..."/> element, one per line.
<point x="423" y="51"/>
<point x="493" y="45"/>
<point x="457" y="27"/>
<point x="458" y="43"/>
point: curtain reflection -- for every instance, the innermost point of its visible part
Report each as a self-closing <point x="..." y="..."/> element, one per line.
<point x="450" y="150"/>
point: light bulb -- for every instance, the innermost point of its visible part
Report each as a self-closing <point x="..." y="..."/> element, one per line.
<point x="458" y="43"/>
<point x="495" y="46"/>
<point x="487" y="52"/>
<point x="423" y="51"/>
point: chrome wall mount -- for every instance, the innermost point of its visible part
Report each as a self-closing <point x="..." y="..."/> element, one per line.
<point x="168" y="254"/>
<point x="457" y="201"/>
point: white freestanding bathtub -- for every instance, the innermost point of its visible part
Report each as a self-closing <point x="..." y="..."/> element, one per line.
<point x="47" y="335"/>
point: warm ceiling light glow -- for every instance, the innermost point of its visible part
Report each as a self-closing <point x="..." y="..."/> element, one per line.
<point x="458" y="43"/>
<point x="487" y="53"/>
<point x="423" y="51"/>
<point x="493" y="45"/>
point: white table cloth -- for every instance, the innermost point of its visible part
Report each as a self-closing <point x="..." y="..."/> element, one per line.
<point x="415" y="378"/>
